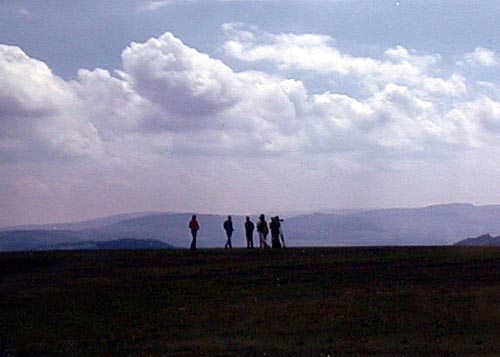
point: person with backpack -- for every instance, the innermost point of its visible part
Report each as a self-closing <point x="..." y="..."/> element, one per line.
<point x="263" y="230"/>
<point x="194" y="226"/>
<point x="228" y="227"/>
<point x="249" y="228"/>
<point x="274" y="226"/>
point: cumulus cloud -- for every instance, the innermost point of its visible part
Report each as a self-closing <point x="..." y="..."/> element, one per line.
<point x="317" y="53"/>
<point x="170" y="99"/>
<point x="481" y="57"/>
<point x="405" y="103"/>
<point x="38" y="112"/>
<point x="178" y="78"/>
<point x="28" y="86"/>
<point x="111" y="104"/>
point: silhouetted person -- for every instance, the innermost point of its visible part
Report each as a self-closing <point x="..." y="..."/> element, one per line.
<point x="263" y="230"/>
<point x="228" y="227"/>
<point x="194" y="226"/>
<point x="282" y="237"/>
<point x="274" y="226"/>
<point x="249" y="228"/>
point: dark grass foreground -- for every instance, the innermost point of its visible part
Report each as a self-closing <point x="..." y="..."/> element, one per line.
<point x="299" y="301"/>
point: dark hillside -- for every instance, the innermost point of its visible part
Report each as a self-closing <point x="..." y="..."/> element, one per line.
<point x="111" y="244"/>
<point x="32" y="240"/>
<point x="345" y="301"/>
<point x="484" y="240"/>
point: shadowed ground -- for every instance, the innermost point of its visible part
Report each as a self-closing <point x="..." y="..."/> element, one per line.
<point x="432" y="300"/>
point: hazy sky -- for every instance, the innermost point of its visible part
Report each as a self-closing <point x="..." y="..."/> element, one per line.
<point x="227" y="106"/>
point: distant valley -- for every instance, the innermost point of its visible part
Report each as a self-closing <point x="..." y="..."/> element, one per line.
<point x="433" y="225"/>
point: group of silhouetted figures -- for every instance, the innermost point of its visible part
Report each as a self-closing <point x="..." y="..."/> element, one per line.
<point x="263" y="230"/>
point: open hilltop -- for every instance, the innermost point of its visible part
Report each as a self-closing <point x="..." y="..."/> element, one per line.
<point x="399" y="300"/>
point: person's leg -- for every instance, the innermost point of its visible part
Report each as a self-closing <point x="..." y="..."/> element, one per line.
<point x="193" y="242"/>
<point x="276" y="241"/>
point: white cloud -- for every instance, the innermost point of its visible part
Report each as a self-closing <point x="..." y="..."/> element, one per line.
<point x="317" y="53"/>
<point x="23" y="12"/>
<point x="111" y="104"/>
<point x="38" y="112"/>
<point x="153" y="5"/>
<point x="159" y="4"/>
<point x="485" y="114"/>
<point x="481" y="57"/>
<point x="182" y="80"/>
<point x="28" y="86"/>
<point x="170" y="99"/>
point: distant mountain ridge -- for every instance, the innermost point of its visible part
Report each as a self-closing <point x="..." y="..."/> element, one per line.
<point x="80" y="225"/>
<point x="483" y="241"/>
<point x="432" y="225"/>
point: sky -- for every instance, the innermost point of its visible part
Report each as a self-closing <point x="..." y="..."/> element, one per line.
<point x="242" y="107"/>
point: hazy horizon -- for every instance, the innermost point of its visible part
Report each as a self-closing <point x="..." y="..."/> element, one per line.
<point x="283" y="213"/>
<point x="234" y="106"/>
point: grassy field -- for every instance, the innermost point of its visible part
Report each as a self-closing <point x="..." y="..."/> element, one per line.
<point x="330" y="301"/>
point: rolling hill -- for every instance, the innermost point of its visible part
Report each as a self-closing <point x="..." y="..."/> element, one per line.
<point x="117" y="244"/>
<point x="484" y="241"/>
<point x="19" y="240"/>
<point x="433" y="225"/>
<point x="81" y="225"/>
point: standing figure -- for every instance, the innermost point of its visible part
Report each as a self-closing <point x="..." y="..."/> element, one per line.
<point x="282" y="237"/>
<point x="274" y="226"/>
<point x="194" y="227"/>
<point x="228" y="227"/>
<point x="263" y="231"/>
<point x="249" y="228"/>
